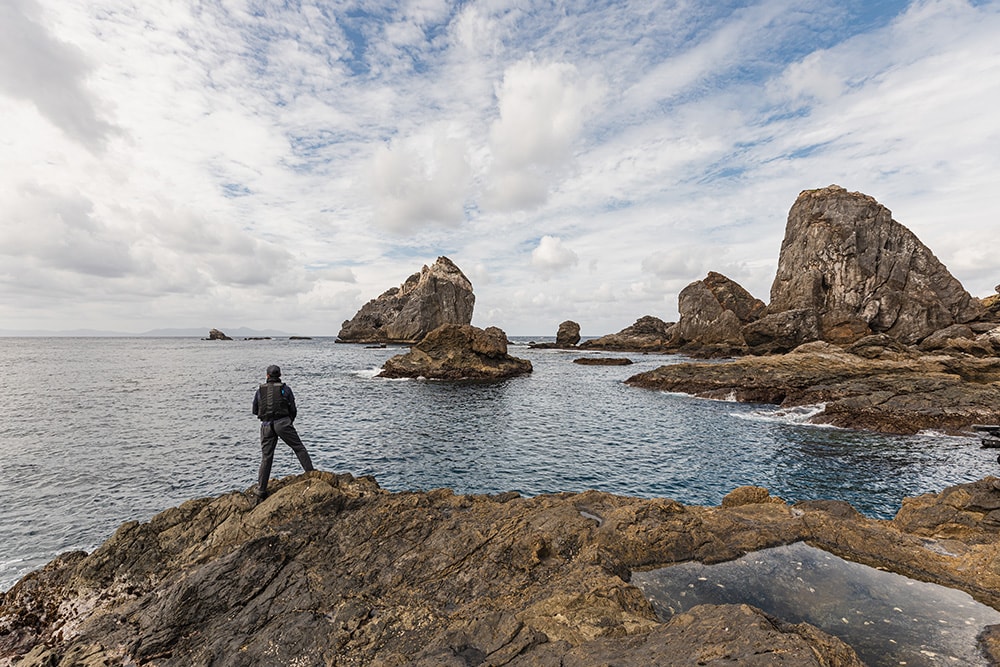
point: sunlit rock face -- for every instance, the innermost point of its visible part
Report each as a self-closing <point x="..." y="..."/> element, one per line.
<point x="436" y="295"/>
<point x="844" y="257"/>
<point x="458" y="352"/>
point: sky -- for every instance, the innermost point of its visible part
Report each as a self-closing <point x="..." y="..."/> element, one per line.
<point x="234" y="163"/>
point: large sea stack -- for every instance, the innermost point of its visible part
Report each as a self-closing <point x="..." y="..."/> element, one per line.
<point x="436" y="295"/>
<point x="846" y="265"/>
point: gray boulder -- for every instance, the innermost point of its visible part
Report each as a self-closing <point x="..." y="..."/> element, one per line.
<point x="781" y="332"/>
<point x="862" y="272"/>
<point x="568" y="334"/>
<point x="439" y="294"/>
<point x="713" y="312"/>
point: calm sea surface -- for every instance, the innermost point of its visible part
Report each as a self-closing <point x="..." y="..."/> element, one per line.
<point x="98" y="431"/>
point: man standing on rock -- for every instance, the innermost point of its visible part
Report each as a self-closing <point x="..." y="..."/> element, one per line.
<point x="274" y="404"/>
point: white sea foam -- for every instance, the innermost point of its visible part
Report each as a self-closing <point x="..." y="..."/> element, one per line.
<point x="798" y="415"/>
<point x="728" y="398"/>
<point x="942" y="436"/>
<point x="366" y="373"/>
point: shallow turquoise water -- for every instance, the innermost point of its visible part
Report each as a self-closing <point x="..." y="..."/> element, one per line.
<point x="105" y="430"/>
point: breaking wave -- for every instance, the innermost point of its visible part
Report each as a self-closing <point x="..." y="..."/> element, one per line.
<point x="799" y="415"/>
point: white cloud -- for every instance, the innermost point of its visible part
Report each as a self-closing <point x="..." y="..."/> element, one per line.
<point x="676" y="262"/>
<point x="216" y="158"/>
<point x="552" y="255"/>
<point x="50" y="74"/>
<point x="59" y="230"/>
<point x="542" y="111"/>
<point x="419" y="180"/>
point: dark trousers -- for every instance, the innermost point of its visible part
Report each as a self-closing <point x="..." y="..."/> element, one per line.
<point x="269" y="434"/>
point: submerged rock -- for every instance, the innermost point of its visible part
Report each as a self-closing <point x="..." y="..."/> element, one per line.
<point x="439" y="294"/>
<point x="458" y="352"/>
<point x="331" y="569"/>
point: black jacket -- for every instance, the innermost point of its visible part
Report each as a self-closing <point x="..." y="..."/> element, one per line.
<point x="287" y="395"/>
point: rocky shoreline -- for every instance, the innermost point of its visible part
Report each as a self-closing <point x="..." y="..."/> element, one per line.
<point x="872" y="385"/>
<point x="333" y="570"/>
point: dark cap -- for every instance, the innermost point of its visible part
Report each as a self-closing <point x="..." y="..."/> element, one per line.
<point x="273" y="372"/>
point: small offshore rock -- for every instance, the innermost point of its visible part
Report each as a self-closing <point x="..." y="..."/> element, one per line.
<point x="215" y="334"/>
<point x="603" y="361"/>
<point x="568" y="334"/>
<point x="648" y="334"/>
<point x="458" y="352"/>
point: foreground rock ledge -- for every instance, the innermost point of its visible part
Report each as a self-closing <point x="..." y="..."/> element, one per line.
<point x="333" y="570"/>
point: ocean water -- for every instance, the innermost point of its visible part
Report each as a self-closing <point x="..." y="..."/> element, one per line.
<point x="98" y="431"/>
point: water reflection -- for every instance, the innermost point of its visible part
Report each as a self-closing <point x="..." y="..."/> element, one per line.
<point x="888" y="619"/>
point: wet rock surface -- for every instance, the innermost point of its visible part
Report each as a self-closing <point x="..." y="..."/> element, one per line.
<point x="603" y="361"/>
<point x="458" y="352"/>
<point x="887" y="388"/>
<point x="436" y="295"/>
<point x="331" y="569"/>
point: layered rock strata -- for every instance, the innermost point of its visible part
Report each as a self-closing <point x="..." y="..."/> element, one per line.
<point x="876" y="384"/>
<point x="458" y="352"/>
<point x="436" y="295"/>
<point x="333" y="570"/>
